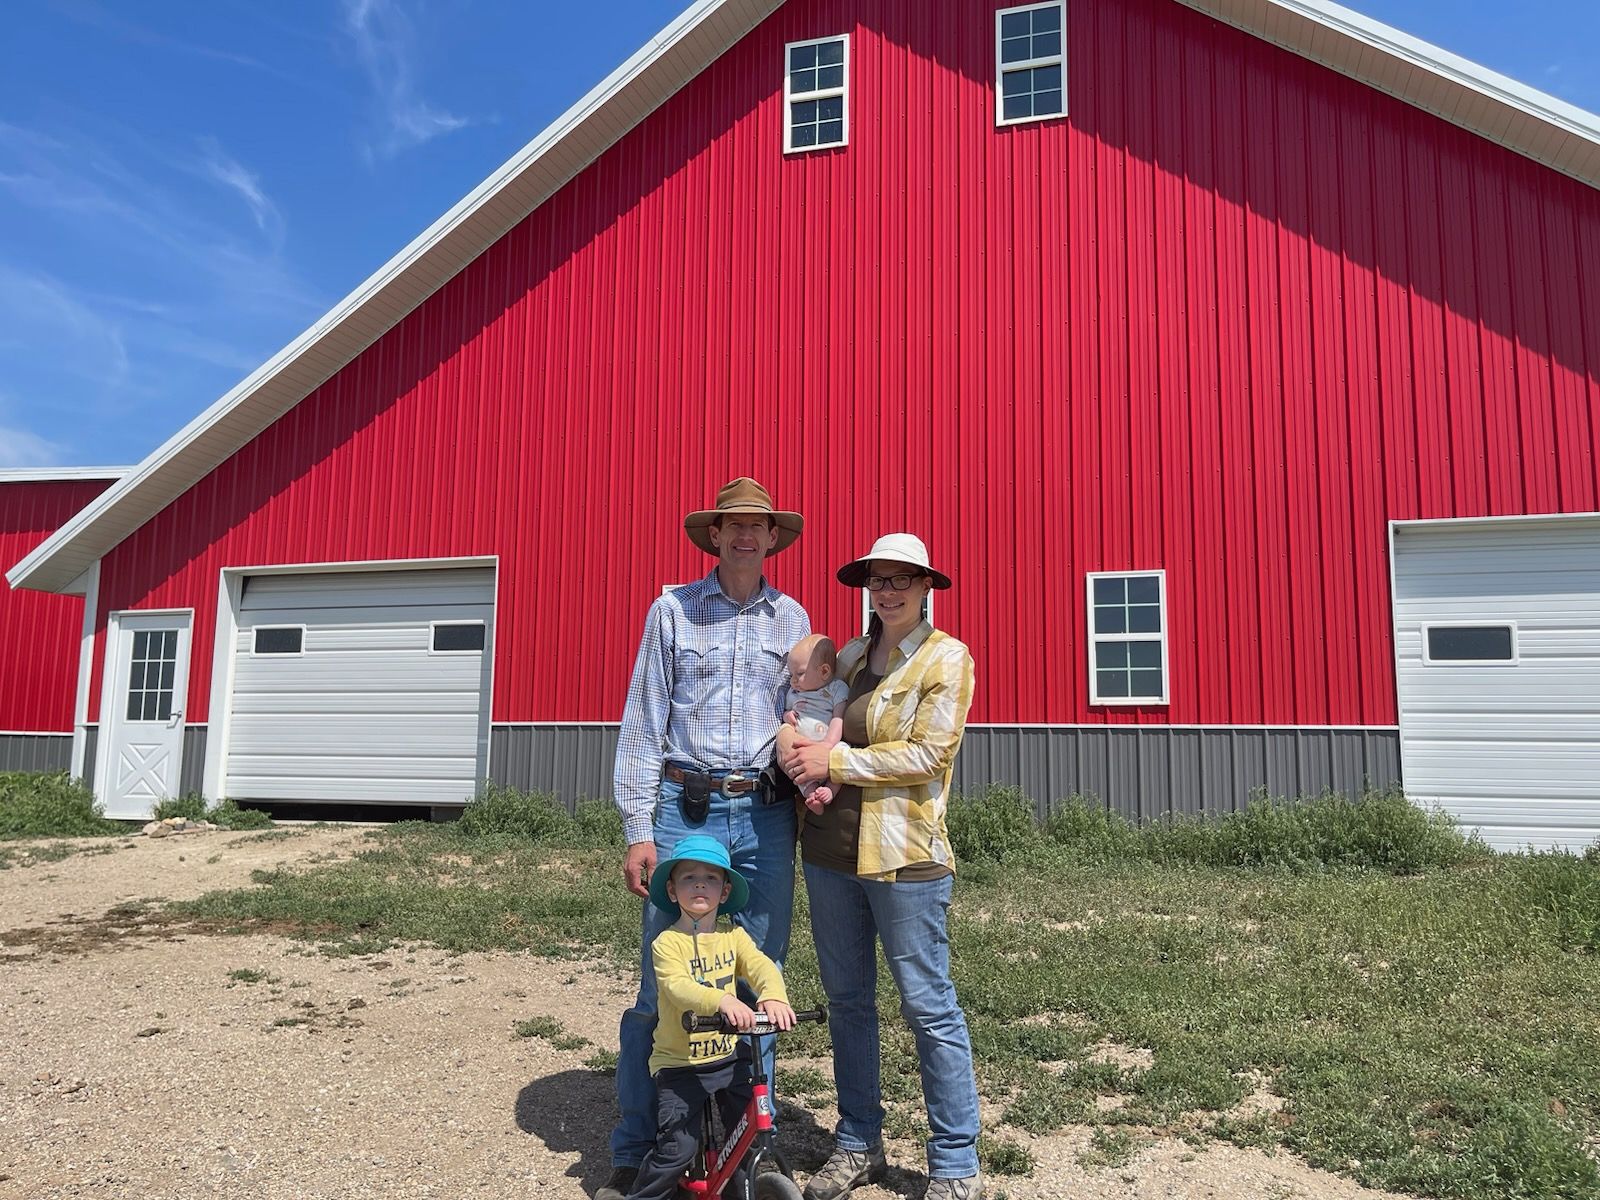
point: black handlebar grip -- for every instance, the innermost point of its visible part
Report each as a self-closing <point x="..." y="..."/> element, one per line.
<point x="717" y="1024"/>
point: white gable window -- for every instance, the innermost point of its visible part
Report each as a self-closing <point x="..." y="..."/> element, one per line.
<point x="816" y="94"/>
<point x="1128" y="638"/>
<point x="1030" y="63"/>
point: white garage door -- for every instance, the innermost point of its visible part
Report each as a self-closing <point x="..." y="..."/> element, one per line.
<point x="1497" y="644"/>
<point x="362" y="686"/>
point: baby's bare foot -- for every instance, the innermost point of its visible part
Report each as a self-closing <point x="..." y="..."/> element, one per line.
<point x="819" y="799"/>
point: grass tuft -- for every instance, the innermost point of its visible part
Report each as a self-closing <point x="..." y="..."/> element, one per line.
<point x="50" y="804"/>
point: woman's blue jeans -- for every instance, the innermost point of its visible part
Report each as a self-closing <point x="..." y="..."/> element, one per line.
<point x="848" y="915"/>
<point x="760" y="842"/>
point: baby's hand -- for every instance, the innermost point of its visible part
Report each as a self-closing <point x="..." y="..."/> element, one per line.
<point x="792" y="719"/>
<point x="779" y="1013"/>
<point x="737" y="1013"/>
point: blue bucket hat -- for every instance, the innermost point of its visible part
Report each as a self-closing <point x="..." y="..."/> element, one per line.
<point x="700" y="848"/>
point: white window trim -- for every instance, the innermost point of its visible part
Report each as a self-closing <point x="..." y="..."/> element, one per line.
<point x="1516" y="644"/>
<point x="791" y="97"/>
<point x="433" y="625"/>
<point x="300" y="653"/>
<point x="1001" y="70"/>
<point x="1160" y="576"/>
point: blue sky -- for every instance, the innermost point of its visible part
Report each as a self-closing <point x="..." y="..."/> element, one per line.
<point x="185" y="186"/>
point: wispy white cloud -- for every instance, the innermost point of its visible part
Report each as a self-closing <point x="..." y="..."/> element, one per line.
<point x="19" y="448"/>
<point x="385" y="44"/>
<point x="40" y="312"/>
<point x="147" y="213"/>
<point x="217" y="165"/>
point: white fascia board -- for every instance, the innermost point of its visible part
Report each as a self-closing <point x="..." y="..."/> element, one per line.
<point x="1358" y="46"/>
<point x="59" y="474"/>
<point x="432" y="258"/>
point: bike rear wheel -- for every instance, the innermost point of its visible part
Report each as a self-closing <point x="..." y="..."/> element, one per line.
<point x="770" y="1185"/>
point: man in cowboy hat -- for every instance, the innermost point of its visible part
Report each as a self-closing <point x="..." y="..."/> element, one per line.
<point x="697" y="736"/>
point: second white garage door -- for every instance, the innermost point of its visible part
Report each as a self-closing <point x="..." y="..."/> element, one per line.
<point x="1497" y="646"/>
<point x="365" y="687"/>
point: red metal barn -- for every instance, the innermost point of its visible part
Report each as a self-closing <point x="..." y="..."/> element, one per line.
<point x="1223" y="352"/>
<point x="44" y="634"/>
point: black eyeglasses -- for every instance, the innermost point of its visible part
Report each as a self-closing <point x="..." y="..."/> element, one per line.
<point x="898" y="582"/>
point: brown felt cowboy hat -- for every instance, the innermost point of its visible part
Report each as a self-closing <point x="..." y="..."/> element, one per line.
<point x="743" y="495"/>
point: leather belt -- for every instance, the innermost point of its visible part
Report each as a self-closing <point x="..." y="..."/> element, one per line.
<point x="729" y="783"/>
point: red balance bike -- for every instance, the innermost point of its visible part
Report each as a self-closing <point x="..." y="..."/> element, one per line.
<point x="749" y="1146"/>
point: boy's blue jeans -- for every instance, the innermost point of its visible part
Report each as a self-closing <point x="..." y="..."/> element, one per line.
<point x="760" y="841"/>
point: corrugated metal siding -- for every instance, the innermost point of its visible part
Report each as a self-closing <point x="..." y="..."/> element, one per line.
<point x="39" y="672"/>
<point x="1228" y="319"/>
<point x="1140" y="771"/>
<point x="35" y="751"/>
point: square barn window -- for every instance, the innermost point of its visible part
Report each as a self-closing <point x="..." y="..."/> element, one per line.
<point x="1030" y="63"/>
<point x="816" y="95"/>
<point x="1128" y="638"/>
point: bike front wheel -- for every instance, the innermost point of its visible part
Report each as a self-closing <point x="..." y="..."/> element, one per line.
<point x="771" y="1185"/>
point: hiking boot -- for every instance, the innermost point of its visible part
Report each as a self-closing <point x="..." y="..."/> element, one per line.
<point x="843" y="1170"/>
<point x="619" y="1185"/>
<point x="970" y="1188"/>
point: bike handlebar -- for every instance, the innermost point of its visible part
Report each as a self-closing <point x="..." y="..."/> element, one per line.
<point x="717" y="1023"/>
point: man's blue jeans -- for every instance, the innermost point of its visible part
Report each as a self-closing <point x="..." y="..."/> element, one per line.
<point x="760" y="841"/>
<point x="848" y="915"/>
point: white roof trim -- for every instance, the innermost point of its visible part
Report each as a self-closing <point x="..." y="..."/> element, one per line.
<point x="1523" y="119"/>
<point x="1518" y="117"/>
<point x="56" y="474"/>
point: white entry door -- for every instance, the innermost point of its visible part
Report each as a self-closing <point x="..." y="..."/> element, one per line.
<point x="147" y="680"/>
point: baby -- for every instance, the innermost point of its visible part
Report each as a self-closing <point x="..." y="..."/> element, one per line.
<point x="817" y="700"/>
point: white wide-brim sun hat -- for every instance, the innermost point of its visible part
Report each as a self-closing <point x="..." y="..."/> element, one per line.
<point x="891" y="547"/>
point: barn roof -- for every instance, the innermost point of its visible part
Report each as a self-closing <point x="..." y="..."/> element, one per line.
<point x="1512" y="114"/>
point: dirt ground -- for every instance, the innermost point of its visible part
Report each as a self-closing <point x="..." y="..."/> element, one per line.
<point x="132" y="1065"/>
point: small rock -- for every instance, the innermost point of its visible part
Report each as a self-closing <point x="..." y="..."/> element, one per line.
<point x="160" y="831"/>
<point x="150" y="1032"/>
<point x="358" y="1002"/>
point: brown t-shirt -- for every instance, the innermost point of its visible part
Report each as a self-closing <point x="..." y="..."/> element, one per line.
<point x="828" y="839"/>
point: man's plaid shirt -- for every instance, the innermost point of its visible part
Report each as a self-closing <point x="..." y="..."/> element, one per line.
<point x="705" y="690"/>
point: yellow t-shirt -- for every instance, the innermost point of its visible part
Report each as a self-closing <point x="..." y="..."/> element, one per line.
<point x="693" y="973"/>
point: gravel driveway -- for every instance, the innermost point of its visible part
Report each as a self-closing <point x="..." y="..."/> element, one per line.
<point x="137" y="1063"/>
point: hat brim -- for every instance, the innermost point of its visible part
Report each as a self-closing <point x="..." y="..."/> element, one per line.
<point x="698" y="526"/>
<point x="738" y="897"/>
<point x="854" y="574"/>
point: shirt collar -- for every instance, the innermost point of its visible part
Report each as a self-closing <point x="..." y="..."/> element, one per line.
<point x="913" y="640"/>
<point x="768" y="595"/>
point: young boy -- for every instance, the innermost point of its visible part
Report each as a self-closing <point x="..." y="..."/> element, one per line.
<point x="697" y="967"/>
<point x="817" y="700"/>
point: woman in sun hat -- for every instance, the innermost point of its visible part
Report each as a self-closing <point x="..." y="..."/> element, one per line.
<point x="878" y="867"/>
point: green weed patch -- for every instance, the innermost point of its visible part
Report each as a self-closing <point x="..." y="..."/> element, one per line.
<point x="37" y="804"/>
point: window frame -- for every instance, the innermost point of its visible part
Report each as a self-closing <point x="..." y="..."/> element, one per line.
<point x="791" y="98"/>
<point x="1516" y="644"/>
<point x="433" y="637"/>
<point x="1095" y="698"/>
<point x="300" y="653"/>
<point x="1002" y="69"/>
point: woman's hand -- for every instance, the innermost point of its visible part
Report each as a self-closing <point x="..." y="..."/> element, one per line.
<point x="811" y="763"/>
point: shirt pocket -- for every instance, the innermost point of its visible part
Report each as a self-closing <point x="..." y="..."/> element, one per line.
<point x="704" y="660"/>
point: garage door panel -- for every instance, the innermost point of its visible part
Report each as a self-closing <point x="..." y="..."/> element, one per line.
<point x="1483" y="726"/>
<point x="360" y="626"/>
<point x="402" y="734"/>
<point x="1512" y="749"/>
<point x="367" y="711"/>
<point x="358" y="788"/>
<point x="370" y="589"/>
<point x="444" y="672"/>
<point x="376" y="701"/>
